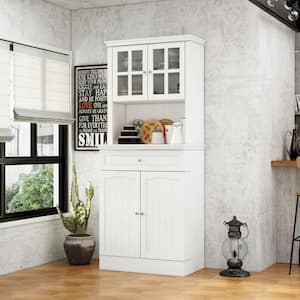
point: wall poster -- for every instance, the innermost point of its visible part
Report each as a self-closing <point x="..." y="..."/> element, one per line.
<point x="91" y="107"/>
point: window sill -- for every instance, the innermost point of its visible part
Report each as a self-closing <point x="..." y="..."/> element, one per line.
<point x="30" y="221"/>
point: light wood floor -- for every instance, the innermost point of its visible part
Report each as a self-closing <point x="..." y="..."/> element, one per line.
<point x="61" y="281"/>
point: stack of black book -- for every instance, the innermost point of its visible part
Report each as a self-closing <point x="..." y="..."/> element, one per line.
<point x="129" y="135"/>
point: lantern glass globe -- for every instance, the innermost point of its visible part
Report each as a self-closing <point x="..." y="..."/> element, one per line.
<point x="234" y="249"/>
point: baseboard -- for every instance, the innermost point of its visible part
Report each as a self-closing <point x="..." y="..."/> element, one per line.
<point x="149" y="266"/>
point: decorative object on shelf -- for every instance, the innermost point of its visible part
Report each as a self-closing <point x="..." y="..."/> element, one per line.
<point x="137" y="123"/>
<point x="79" y="246"/>
<point x="129" y="135"/>
<point x="286" y="11"/>
<point x="166" y="122"/>
<point x="147" y="129"/>
<point x="157" y="137"/>
<point x="235" y="249"/>
<point x="177" y="136"/>
<point x="169" y="133"/>
<point x="90" y="106"/>
<point x="293" y="147"/>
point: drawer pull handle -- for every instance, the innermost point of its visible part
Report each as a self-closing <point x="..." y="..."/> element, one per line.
<point x="139" y="214"/>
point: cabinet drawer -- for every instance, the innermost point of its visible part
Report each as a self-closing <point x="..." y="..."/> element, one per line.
<point x="143" y="160"/>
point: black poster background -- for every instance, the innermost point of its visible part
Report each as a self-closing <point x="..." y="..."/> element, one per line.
<point x="91" y="106"/>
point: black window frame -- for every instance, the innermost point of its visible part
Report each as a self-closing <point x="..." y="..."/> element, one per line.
<point x="34" y="159"/>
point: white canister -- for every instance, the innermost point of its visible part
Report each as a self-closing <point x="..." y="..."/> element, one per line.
<point x="157" y="137"/>
<point x="169" y="132"/>
<point x="177" y="137"/>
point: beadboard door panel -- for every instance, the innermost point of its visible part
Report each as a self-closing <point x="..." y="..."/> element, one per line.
<point x="120" y="218"/>
<point x="162" y="225"/>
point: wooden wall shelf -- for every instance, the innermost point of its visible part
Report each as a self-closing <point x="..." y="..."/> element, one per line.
<point x="286" y="163"/>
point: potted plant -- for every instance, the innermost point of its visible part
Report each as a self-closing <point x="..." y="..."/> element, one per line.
<point x="79" y="246"/>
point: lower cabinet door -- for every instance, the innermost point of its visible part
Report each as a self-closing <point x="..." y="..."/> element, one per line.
<point x="162" y="220"/>
<point x="119" y="214"/>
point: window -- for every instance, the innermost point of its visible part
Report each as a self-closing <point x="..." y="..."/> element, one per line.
<point x="34" y="171"/>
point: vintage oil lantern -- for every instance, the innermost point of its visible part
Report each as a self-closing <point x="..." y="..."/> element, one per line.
<point x="235" y="249"/>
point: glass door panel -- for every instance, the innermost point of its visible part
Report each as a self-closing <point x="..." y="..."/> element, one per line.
<point x="173" y="58"/>
<point x="137" y="60"/>
<point x="137" y="84"/>
<point x="158" y="84"/>
<point x="174" y="83"/>
<point x="123" y="61"/>
<point x="158" y="59"/>
<point x="122" y="85"/>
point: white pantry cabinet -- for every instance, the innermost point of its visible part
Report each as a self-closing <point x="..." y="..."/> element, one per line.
<point x="152" y="196"/>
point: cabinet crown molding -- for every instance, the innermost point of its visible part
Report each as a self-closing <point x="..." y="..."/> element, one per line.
<point x="155" y="40"/>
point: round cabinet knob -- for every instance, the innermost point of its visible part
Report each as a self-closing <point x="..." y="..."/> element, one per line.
<point x="139" y="160"/>
<point x="137" y="213"/>
<point x="142" y="214"/>
<point x="150" y="72"/>
<point x="144" y="72"/>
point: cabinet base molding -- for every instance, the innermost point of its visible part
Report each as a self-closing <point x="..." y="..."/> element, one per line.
<point x="150" y="266"/>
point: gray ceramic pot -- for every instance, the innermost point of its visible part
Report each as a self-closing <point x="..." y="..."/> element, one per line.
<point x="79" y="249"/>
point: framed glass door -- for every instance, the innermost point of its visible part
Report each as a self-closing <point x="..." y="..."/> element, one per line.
<point x="166" y="71"/>
<point x="130" y="73"/>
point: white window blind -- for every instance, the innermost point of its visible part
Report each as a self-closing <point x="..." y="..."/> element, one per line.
<point x="41" y="86"/>
<point x="5" y="92"/>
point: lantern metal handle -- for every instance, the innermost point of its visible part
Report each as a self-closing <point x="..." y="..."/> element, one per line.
<point x="246" y="225"/>
<point x="226" y="225"/>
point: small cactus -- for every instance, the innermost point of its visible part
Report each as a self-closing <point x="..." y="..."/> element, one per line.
<point x="77" y="223"/>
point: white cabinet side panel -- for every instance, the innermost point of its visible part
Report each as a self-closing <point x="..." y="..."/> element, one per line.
<point x="194" y="94"/>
